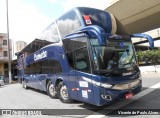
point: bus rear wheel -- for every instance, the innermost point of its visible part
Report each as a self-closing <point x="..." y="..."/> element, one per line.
<point x="63" y="93"/>
<point x="51" y="90"/>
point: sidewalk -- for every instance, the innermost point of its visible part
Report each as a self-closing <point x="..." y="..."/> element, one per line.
<point x="150" y="69"/>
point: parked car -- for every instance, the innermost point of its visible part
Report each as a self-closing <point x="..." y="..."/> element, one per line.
<point x="1" y="80"/>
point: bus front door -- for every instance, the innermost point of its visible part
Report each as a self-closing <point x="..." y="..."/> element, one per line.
<point x="85" y="89"/>
<point x="73" y="85"/>
<point x="82" y="72"/>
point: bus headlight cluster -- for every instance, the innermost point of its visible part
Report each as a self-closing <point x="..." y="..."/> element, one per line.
<point x="105" y="85"/>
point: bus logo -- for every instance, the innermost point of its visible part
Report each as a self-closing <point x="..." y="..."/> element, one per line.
<point x="125" y="74"/>
<point x="121" y="44"/>
<point x="42" y="55"/>
<point x="87" y="20"/>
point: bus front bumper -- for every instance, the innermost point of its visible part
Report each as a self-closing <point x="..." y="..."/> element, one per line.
<point x="109" y="96"/>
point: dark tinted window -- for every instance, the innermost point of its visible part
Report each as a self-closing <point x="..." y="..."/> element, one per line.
<point x="73" y="44"/>
<point x="68" y="23"/>
<point x="44" y="67"/>
<point x="5" y="65"/>
<point x="50" y="66"/>
<point x="34" y="68"/>
<point x="5" y="53"/>
<point x="4" y="42"/>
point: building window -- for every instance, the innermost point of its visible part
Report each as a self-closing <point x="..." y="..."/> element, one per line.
<point x="5" y="53"/>
<point x="5" y="66"/>
<point x="4" y="42"/>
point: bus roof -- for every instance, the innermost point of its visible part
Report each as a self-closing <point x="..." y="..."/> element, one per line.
<point x="102" y="18"/>
<point x="86" y="16"/>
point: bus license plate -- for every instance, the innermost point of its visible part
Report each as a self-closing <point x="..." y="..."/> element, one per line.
<point x="129" y="95"/>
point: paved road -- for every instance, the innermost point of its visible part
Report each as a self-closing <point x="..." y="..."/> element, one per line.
<point x="15" y="97"/>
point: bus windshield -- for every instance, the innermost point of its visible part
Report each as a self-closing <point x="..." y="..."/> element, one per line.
<point x="114" y="55"/>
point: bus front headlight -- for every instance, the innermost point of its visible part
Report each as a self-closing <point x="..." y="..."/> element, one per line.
<point x="106" y="85"/>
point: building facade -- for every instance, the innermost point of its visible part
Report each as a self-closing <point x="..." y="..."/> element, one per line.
<point x="20" y="45"/>
<point x="4" y="58"/>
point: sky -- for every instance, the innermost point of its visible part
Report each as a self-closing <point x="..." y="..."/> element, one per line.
<point x="28" y="18"/>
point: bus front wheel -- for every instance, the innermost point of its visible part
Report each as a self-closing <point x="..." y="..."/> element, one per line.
<point x="63" y="93"/>
<point x="51" y="90"/>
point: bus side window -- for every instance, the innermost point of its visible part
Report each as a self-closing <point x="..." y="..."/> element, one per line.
<point x="50" y="35"/>
<point x="50" y="67"/>
<point x="68" y="23"/>
<point x="82" y="60"/>
<point x="57" y="67"/>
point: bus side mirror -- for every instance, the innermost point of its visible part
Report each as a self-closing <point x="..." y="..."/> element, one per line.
<point x="149" y="38"/>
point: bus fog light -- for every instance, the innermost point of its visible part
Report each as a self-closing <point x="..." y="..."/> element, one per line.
<point x="106" y="85"/>
<point x="106" y="97"/>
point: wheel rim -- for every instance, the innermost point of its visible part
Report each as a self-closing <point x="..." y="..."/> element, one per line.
<point x="52" y="90"/>
<point x="64" y="93"/>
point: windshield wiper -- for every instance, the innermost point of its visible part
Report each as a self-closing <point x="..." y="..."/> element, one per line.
<point x="110" y="72"/>
<point x="132" y="64"/>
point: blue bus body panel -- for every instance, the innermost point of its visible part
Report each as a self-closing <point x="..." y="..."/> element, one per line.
<point x="38" y="81"/>
<point x="50" y="54"/>
<point x="149" y="38"/>
<point x="79" y="88"/>
<point x="115" y="94"/>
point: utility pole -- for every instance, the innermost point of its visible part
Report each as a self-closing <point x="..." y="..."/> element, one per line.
<point x="9" y="56"/>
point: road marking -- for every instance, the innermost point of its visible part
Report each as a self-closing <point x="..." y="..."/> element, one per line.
<point x="123" y="103"/>
<point x="156" y="86"/>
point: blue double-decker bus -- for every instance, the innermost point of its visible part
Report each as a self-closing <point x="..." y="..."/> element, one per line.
<point x="85" y="55"/>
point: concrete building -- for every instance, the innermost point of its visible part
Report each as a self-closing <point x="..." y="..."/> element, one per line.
<point x="4" y="55"/>
<point x="138" y="16"/>
<point x="20" y="45"/>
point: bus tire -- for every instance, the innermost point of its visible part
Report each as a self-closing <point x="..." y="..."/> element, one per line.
<point x="63" y="93"/>
<point x="51" y="91"/>
<point x="24" y="85"/>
